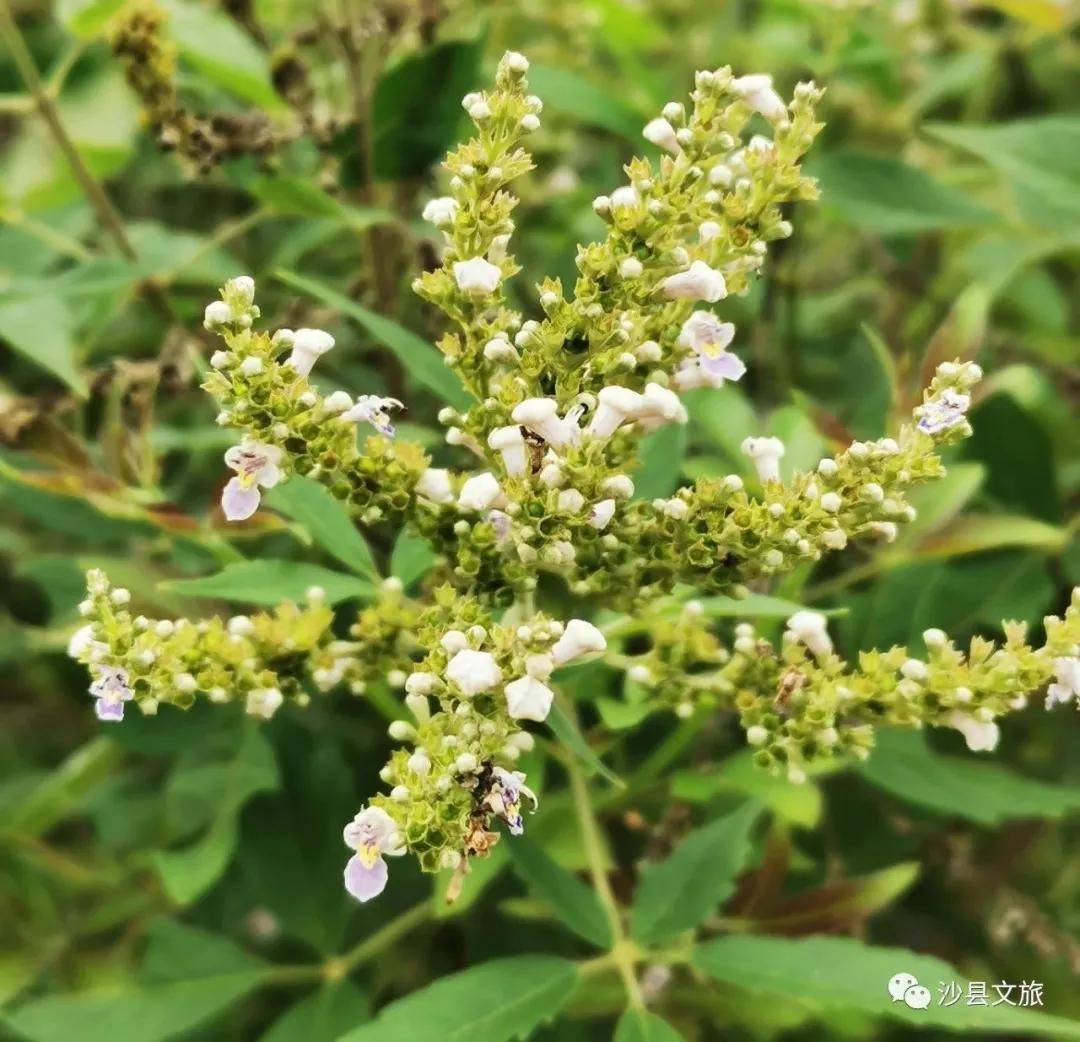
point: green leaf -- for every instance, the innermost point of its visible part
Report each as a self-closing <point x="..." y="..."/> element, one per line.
<point x="563" y="90"/>
<point x="206" y="788"/>
<point x="570" y="735"/>
<point x="839" y="974"/>
<point x="327" y="521"/>
<point x="575" y="904"/>
<point x="268" y="582"/>
<point x="218" y="48"/>
<point x="411" y="557"/>
<point x="423" y="362"/>
<point x="323" y="1016"/>
<point x="660" y="456"/>
<point x="87" y="18"/>
<point x="416" y="108"/>
<point x="699" y="874"/>
<point x="889" y="197"/>
<point x="496" y="1001"/>
<point x="42" y="330"/>
<point x="938" y="502"/>
<point x="294" y="197"/>
<point x="639" y="1025"/>
<point x="1039" y="157"/>
<point x="976" y="533"/>
<point x="190" y="977"/>
<point x="987" y="793"/>
<point x="757" y="606"/>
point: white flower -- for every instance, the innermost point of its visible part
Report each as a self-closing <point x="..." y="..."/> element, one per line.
<point x="82" y="642"/>
<point x="602" y="514"/>
<point x="510" y="443"/>
<point x="441" y="211"/>
<point x="530" y="122"/>
<point x="251" y="366"/>
<point x="578" y="638"/>
<point x="661" y="133"/>
<point x="307" y="346"/>
<point x="216" y="315"/>
<point x="757" y="91"/>
<point x="477" y="276"/>
<point x="831" y="502"/>
<point x="659" y="407"/>
<point x="473" y="671"/>
<point x="698" y="282"/>
<point x="981" y="736"/>
<point x="541" y="416"/>
<point x="708" y="230"/>
<point x="765" y="454"/>
<point x="914" y="669"/>
<point x="528" y="699"/>
<point x="570" y="501"/>
<point x="619" y="486"/>
<point x="337" y="402"/>
<point x="373" y="409"/>
<point x="616" y="404"/>
<point x="516" y="62"/>
<point x="434" y="484"/>
<point x="809" y="628"/>
<point x="480" y="492"/>
<point x="1067" y="672"/>
<point x="264" y="702"/>
<point x="255" y="465"/>
<point x="625" y="198"/>
<point x="630" y="268"/>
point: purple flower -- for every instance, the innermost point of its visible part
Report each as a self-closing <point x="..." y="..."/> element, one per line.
<point x="111" y="690"/>
<point x="255" y="464"/>
<point x="943" y="412"/>
<point x="708" y="338"/>
<point x="372" y="833"/>
<point x="370" y="408"/>
<point x="504" y="798"/>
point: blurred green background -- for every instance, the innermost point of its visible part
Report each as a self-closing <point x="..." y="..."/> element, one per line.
<point x="190" y="864"/>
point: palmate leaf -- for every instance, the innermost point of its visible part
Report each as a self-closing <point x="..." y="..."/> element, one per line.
<point x="678" y="893"/>
<point x="269" y="582"/>
<point x="496" y="1001"/>
<point x="837" y="974"/>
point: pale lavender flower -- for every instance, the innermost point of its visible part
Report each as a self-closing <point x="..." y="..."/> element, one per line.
<point x="111" y="690"/>
<point x="371" y="408"/>
<point x="1067" y="673"/>
<point x="709" y="338"/>
<point x="372" y="834"/>
<point x="255" y="464"/>
<point x="943" y="412"/>
<point x="504" y="798"/>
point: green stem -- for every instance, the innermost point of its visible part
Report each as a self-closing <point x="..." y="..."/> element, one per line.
<point x="623" y="950"/>
<point x="95" y="194"/>
<point x="381" y="939"/>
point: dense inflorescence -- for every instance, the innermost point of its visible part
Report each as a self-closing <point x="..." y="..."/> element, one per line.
<point x="560" y="405"/>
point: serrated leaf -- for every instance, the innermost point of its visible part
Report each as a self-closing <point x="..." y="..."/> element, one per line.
<point x="986" y="793"/>
<point x="497" y="1001"/>
<point x="420" y="359"/>
<point x="575" y="904"/>
<point x="699" y="874"/>
<point x="327" y="521"/>
<point x="639" y="1025"/>
<point x="269" y="582"/>
<point x="833" y="974"/>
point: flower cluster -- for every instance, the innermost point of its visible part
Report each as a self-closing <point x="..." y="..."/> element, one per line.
<point x="560" y="405"/>
<point x="469" y="700"/>
<point x="801" y="703"/>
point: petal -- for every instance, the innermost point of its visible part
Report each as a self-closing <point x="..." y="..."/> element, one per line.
<point x="269" y="474"/>
<point x="365" y="883"/>
<point x="109" y="710"/>
<point x="725" y="365"/>
<point x="234" y="457"/>
<point x="238" y="502"/>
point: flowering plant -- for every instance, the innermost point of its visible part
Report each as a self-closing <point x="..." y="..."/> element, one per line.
<point x="541" y="528"/>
